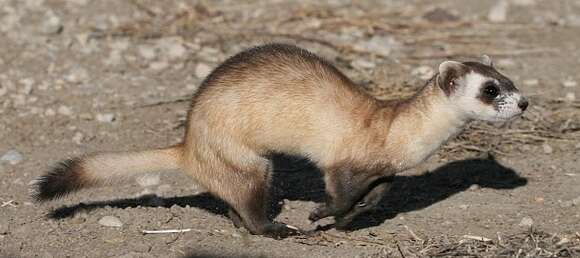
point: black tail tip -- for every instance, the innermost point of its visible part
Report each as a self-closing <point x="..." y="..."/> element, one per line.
<point x="65" y="177"/>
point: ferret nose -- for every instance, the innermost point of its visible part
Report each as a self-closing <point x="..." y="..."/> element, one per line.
<point x="523" y="104"/>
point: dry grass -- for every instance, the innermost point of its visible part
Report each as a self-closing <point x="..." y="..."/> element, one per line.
<point x="526" y="244"/>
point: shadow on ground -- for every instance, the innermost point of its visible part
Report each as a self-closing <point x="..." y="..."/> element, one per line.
<point x="296" y="179"/>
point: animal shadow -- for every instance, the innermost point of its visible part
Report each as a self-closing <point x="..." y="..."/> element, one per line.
<point x="297" y="179"/>
<point x="408" y="193"/>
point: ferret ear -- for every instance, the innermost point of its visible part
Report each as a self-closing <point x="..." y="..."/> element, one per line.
<point x="449" y="72"/>
<point x="486" y="60"/>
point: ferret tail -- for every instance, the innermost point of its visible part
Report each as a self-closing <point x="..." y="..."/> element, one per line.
<point x="102" y="169"/>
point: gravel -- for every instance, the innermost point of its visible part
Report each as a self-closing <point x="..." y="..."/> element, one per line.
<point x="110" y="221"/>
<point x="499" y="12"/>
<point x="202" y="70"/>
<point x="105" y="118"/>
<point x="12" y="157"/>
<point x="526" y="222"/>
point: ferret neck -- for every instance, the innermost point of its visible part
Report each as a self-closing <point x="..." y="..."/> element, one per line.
<point x="424" y="122"/>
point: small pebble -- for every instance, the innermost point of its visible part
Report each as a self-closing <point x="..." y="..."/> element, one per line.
<point x="110" y="221"/>
<point x="379" y="45"/>
<point x="12" y="157"/>
<point x="49" y="112"/>
<point x="498" y="13"/>
<point x="524" y="2"/>
<point x="105" y="118"/>
<point x="424" y="72"/>
<point x="570" y="97"/>
<point x="78" y="138"/>
<point x="175" y="50"/>
<point x="526" y="222"/>
<point x="158" y="65"/>
<point x="52" y="24"/>
<point x="65" y="111"/>
<point x="576" y="201"/>
<point x="3" y="228"/>
<point x="547" y="148"/>
<point x="362" y="64"/>
<point x="77" y="75"/>
<point x="531" y="82"/>
<point x="474" y="187"/>
<point x="566" y="204"/>
<point x="569" y="83"/>
<point x="202" y="70"/>
<point x="147" y="52"/>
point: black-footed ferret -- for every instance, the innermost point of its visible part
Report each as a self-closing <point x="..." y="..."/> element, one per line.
<point x="279" y="98"/>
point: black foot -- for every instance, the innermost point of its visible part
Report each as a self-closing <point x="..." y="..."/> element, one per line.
<point x="236" y="219"/>
<point x="319" y="213"/>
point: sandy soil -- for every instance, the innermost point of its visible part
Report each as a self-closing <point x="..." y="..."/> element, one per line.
<point x="83" y="76"/>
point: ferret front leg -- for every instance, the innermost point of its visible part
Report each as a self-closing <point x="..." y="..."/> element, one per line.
<point x="344" y="188"/>
<point x="370" y="201"/>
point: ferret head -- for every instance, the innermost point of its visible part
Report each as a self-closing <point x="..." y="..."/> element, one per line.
<point x="479" y="91"/>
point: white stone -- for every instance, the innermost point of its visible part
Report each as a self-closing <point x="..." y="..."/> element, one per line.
<point x="547" y="148"/>
<point x="524" y="2"/>
<point x="570" y="96"/>
<point x="173" y="48"/>
<point x="526" y="222"/>
<point x="147" y="52"/>
<point x="202" y="70"/>
<point x="12" y="157"/>
<point x="569" y="83"/>
<point x="105" y="118"/>
<point x="159" y="65"/>
<point x="531" y="82"/>
<point x="424" y="72"/>
<point x="3" y="90"/>
<point x="379" y="45"/>
<point x="65" y="111"/>
<point x="78" y="138"/>
<point x="52" y="24"/>
<point x="362" y="64"/>
<point x="498" y="13"/>
<point x="110" y="221"/>
<point x="77" y="75"/>
<point x="49" y="112"/>
<point x="576" y="201"/>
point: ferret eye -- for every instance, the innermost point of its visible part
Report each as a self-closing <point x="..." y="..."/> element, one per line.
<point x="490" y="90"/>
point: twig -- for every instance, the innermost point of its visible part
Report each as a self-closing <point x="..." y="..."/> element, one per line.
<point x="164" y="102"/>
<point x="352" y="239"/>
<point x="478" y="238"/>
<point x="400" y="251"/>
<point x="170" y="231"/>
<point x="413" y="234"/>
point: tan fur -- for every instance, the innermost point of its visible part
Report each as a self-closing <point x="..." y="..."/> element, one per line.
<point x="282" y="99"/>
<point x="103" y="166"/>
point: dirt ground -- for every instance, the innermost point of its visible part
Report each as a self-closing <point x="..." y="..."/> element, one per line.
<point x="81" y="76"/>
